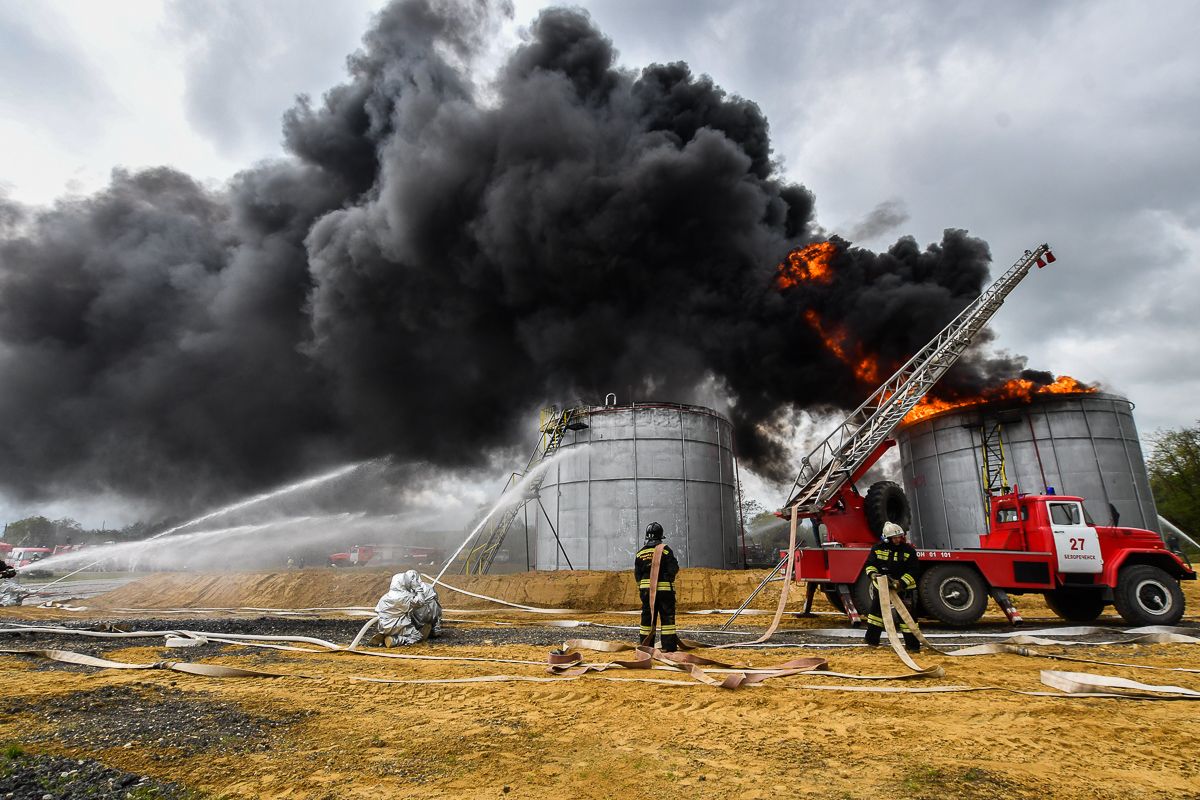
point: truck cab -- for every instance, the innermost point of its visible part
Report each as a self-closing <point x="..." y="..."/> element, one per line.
<point x="1086" y="566"/>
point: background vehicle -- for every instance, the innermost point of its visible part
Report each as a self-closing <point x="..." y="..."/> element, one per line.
<point x="384" y="554"/>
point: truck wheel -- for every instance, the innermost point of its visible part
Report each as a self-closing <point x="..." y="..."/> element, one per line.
<point x="1076" y="605"/>
<point x="953" y="593"/>
<point x="886" y="502"/>
<point x="1147" y="595"/>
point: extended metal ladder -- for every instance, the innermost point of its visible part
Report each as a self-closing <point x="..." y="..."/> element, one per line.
<point x="858" y="438"/>
<point x="554" y="426"/>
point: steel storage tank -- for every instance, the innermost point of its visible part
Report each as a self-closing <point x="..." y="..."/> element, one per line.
<point x="640" y="463"/>
<point x="1081" y="444"/>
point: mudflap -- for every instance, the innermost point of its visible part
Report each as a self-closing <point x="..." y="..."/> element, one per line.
<point x="810" y="590"/>
<point x="1006" y="605"/>
<point x="848" y="604"/>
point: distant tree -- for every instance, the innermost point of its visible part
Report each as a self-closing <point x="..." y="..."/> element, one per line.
<point x="67" y="531"/>
<point x="29" y="532"/>
<point x="752" y="510"/>
<point x="1174" y="467"/>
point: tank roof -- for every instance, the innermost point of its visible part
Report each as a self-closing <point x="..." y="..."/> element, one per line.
<point x="1014" y="404"/>
<point x="691" y="409"/>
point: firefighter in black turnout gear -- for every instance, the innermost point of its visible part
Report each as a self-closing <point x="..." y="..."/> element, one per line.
<point x="897" y="559"/>
<point x="664" y="594"/>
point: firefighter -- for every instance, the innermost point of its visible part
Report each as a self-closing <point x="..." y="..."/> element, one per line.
<point x="664" y="595"/>
<point x="897" y="559"/>
<point x="409" y="613"/>
<point x="11" y="592"/>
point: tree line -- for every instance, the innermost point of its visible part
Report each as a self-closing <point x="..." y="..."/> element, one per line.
<point x="39" y="531"/>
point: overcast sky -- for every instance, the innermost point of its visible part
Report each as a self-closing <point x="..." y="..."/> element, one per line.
<point x="1071" y="123"/>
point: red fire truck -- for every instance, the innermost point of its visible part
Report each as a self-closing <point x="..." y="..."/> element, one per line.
<point x="384" y="554"/>
<point x="1036" y="543"/>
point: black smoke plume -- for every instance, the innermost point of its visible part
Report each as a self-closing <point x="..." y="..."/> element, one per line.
<point x="426" y="268"/>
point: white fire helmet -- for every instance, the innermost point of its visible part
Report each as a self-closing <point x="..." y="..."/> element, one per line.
<point x="891" y="530"/>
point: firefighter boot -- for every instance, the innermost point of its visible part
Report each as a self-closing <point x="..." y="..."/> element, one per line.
<point x="910" y="643"/>
<point x="670" y="642"/>
<point x="646" y="641"/>
<point x="873" y="634"/>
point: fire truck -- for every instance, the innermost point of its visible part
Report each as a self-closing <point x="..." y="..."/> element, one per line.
<point x="383" y="554"/>
<point x="21" y="557"/>
<point x="1035" y="543"/>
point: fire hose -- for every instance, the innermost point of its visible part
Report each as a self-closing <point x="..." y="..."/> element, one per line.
<point x="1070" y="684"/>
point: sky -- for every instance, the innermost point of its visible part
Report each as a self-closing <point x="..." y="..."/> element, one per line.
<point x="1072" y="123"/>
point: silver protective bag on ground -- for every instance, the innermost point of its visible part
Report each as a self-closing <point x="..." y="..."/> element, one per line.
<point x="410" y="611"/>
<point x="12" y="593"/>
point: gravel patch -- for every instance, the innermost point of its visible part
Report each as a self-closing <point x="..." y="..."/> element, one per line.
<point x="41" y="777"/>
<point x="146" y="715"/>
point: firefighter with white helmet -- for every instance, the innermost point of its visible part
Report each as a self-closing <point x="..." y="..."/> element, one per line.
<point x="897" y="559"/>
<point x="664" y="590"/>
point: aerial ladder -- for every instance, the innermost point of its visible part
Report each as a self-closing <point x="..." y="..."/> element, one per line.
<point x="1042" y="544"/>
<point x="553" y="428"/>
<point x="857" y="443"/>
<point x="824" y="489"/>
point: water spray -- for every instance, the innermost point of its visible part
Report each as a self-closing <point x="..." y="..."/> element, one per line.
<point x="512" y="495"/>
<point x="307" y="483"/>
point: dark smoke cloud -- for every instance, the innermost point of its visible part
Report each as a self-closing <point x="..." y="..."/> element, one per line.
<point x="427" y="268"/>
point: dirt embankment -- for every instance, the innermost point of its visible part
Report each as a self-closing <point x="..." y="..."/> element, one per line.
<point x="327" y="588"/>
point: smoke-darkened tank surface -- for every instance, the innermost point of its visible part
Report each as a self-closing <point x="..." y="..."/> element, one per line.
<point x="646" y="462"/>
<point x="1085" y="445"/>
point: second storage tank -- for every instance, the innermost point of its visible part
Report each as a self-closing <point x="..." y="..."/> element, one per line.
<point x="1084" y="444"/>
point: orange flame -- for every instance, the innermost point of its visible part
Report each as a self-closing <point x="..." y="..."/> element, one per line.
<point x="1015" y="389"/>
<point x="808" y="263"/>
<point x="866" y="368"/>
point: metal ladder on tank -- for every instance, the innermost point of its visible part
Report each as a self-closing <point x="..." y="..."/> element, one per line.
<point x="995" y="478"/>
<point x="554" y="427"/>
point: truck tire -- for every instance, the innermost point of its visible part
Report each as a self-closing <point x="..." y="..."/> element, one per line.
<point x="1076" y="605"/>
<point x="1147" y="595"/>
<point x="886" y="502"/>
<point x="954" y="594"/>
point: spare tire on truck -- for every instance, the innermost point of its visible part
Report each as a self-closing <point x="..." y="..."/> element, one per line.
<point x="886" y="502"/>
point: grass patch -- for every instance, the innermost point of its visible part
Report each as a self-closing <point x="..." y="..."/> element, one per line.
<point x="12" y="751"/>
<point x="927" y="782"/>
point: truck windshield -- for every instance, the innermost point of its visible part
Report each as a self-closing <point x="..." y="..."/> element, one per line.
<point x="1065" y="514"/>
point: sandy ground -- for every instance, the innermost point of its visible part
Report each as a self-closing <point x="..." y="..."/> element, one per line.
<point x="328" y="736"/>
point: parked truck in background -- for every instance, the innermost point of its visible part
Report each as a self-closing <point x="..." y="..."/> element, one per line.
<point x="387" y="554"/>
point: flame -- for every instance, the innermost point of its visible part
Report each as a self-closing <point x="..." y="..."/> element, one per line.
<point x="805" y="264"/>
<point x="866" y="368"/>
<point x="1015" y="389"/>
